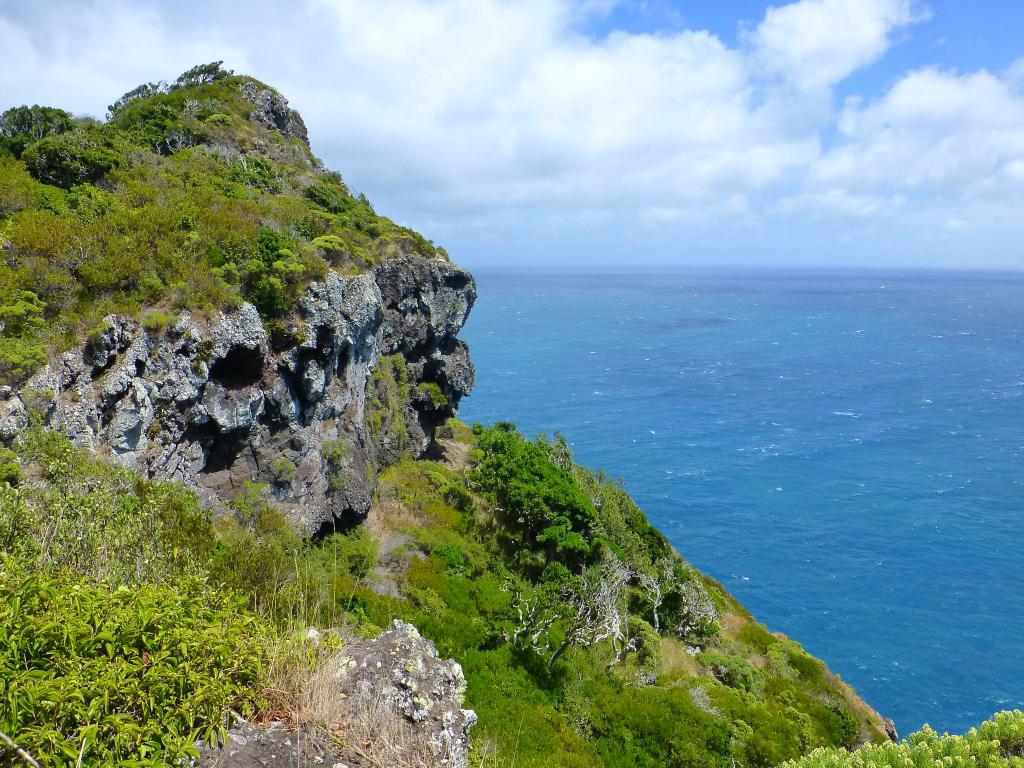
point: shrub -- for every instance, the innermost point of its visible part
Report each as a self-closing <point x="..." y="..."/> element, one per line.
<point x="996" y="743"/>
<point x="257" y="172"/>
<point x="67" y="159"/>
<point x="93" y="675"/>
<point x="10" y="467"/>
<point x="842" y="726"/>
<point x="540" y="500"/>
<point x="22" y="125"/>
<point x="433" y="392"/>
<point x="202" y="74"/>
<point x="696" y="618"/>
<point x="155" y="320"/>
<point x="334" y="451"/>
<point x="99" y="521"/>
<point x="731" y="670"/>
<point x="284" y="471"/>
<point x="388" y="400"/>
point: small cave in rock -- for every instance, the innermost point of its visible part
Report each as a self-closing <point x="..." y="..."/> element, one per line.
<point x="223" y="453"/>
<point x="457" y="280"/>
<point x="324" y="340"/>
<point x="343" y="359"/>
<point x="241" y="367"/>
<point x="348" y="522"/>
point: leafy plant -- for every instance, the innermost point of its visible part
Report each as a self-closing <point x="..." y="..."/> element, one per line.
<point x="92" y="675"/>
<point x="996" y="743"/>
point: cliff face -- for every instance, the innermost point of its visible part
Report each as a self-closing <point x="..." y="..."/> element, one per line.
<point x="213" y="403"/>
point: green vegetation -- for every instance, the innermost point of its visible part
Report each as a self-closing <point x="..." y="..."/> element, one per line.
<point x="573" y="618"/>
<point x="577" y="624"/>
<point x="585" y="639"/>
<point x="388" y="397"/>
<point x="179" y="197"/>
<point x="133" y="620"/>
<point x="96" y="675"/>
<point x="996" y="743"/>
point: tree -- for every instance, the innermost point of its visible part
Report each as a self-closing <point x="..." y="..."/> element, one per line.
<point x="202" y="74"/>
<point x="20" y="126"/>
<point x="67" y="159"/>
<point x="596" y="609"/>
<point x="652" y="584"/>
<point x="540" y="501"/>
<point x="144" y="91"/>
<point x="697" y="617"/>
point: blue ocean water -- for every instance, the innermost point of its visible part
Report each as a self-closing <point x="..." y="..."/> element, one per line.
<point x="844" y="451"/>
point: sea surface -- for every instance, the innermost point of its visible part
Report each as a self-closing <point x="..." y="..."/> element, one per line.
<point x="844" y="451"/>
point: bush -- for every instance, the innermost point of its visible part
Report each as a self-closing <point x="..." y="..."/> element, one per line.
<point x="67" y="159"/>
<point x="284" y="471"/>
<point x="22" y="323"/>
<point x="21" y="126"/>
<point x="433" y="392"/>
<point x="540" y="500"/>
<point x="92" y="675"/>
<point x="731" y="670"/>
<point x="334" y="451"/>
<point x="98" y="521"/>
<point x="996" y="743"/>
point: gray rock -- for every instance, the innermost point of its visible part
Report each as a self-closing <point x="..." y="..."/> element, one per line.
<point x="210" y="403"/>
<point x="404" y="670"/>
<point x="396" y="675"/>
<point x="272" y="112"/>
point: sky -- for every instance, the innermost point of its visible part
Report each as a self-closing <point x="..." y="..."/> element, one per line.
<point x="607" y="134"/>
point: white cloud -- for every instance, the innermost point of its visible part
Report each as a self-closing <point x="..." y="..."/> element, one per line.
<point x="934" y="134"/>
<point x="817" y="43"/>
<point x="463" y="114"/>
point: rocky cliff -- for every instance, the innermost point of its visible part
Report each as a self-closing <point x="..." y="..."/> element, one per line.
<point x="370" y="366"/>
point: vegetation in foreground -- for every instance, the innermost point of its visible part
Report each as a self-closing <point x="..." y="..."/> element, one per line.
<point x="584" y="637"/>
<point x="178" y="201"/>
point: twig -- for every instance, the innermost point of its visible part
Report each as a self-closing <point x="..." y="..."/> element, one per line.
<point x="18" y="750"/>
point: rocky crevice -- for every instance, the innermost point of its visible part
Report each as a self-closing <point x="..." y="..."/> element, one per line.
<point x="211" y="403"/>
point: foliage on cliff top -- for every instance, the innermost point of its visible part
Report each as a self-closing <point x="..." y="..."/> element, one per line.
<point x="183" y="197"/>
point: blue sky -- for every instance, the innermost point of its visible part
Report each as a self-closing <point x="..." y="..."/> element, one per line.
<point x="611" y="134"/>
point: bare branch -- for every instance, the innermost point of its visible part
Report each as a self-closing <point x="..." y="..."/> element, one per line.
<point x="18" y="750"/>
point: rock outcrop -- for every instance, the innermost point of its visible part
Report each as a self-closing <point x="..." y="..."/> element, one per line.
<point x="214" y="402"/>
<point x="273" y="113"/>
<point x="400" y="672"/>
<point x="392" y="699"/>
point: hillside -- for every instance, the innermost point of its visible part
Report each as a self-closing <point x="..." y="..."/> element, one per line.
<point x="234" y="485"/>
<point x="194" y="195"/>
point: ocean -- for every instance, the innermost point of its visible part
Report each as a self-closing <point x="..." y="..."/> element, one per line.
<point x="844" y="451"/>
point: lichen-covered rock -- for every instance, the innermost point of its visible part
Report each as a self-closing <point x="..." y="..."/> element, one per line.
<point x="213" y="404"/>
<point x="403" y="669"/>
<point x="393" y="688"/>
<point x="274" y="745"/>
<point x="272" y="112"/>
